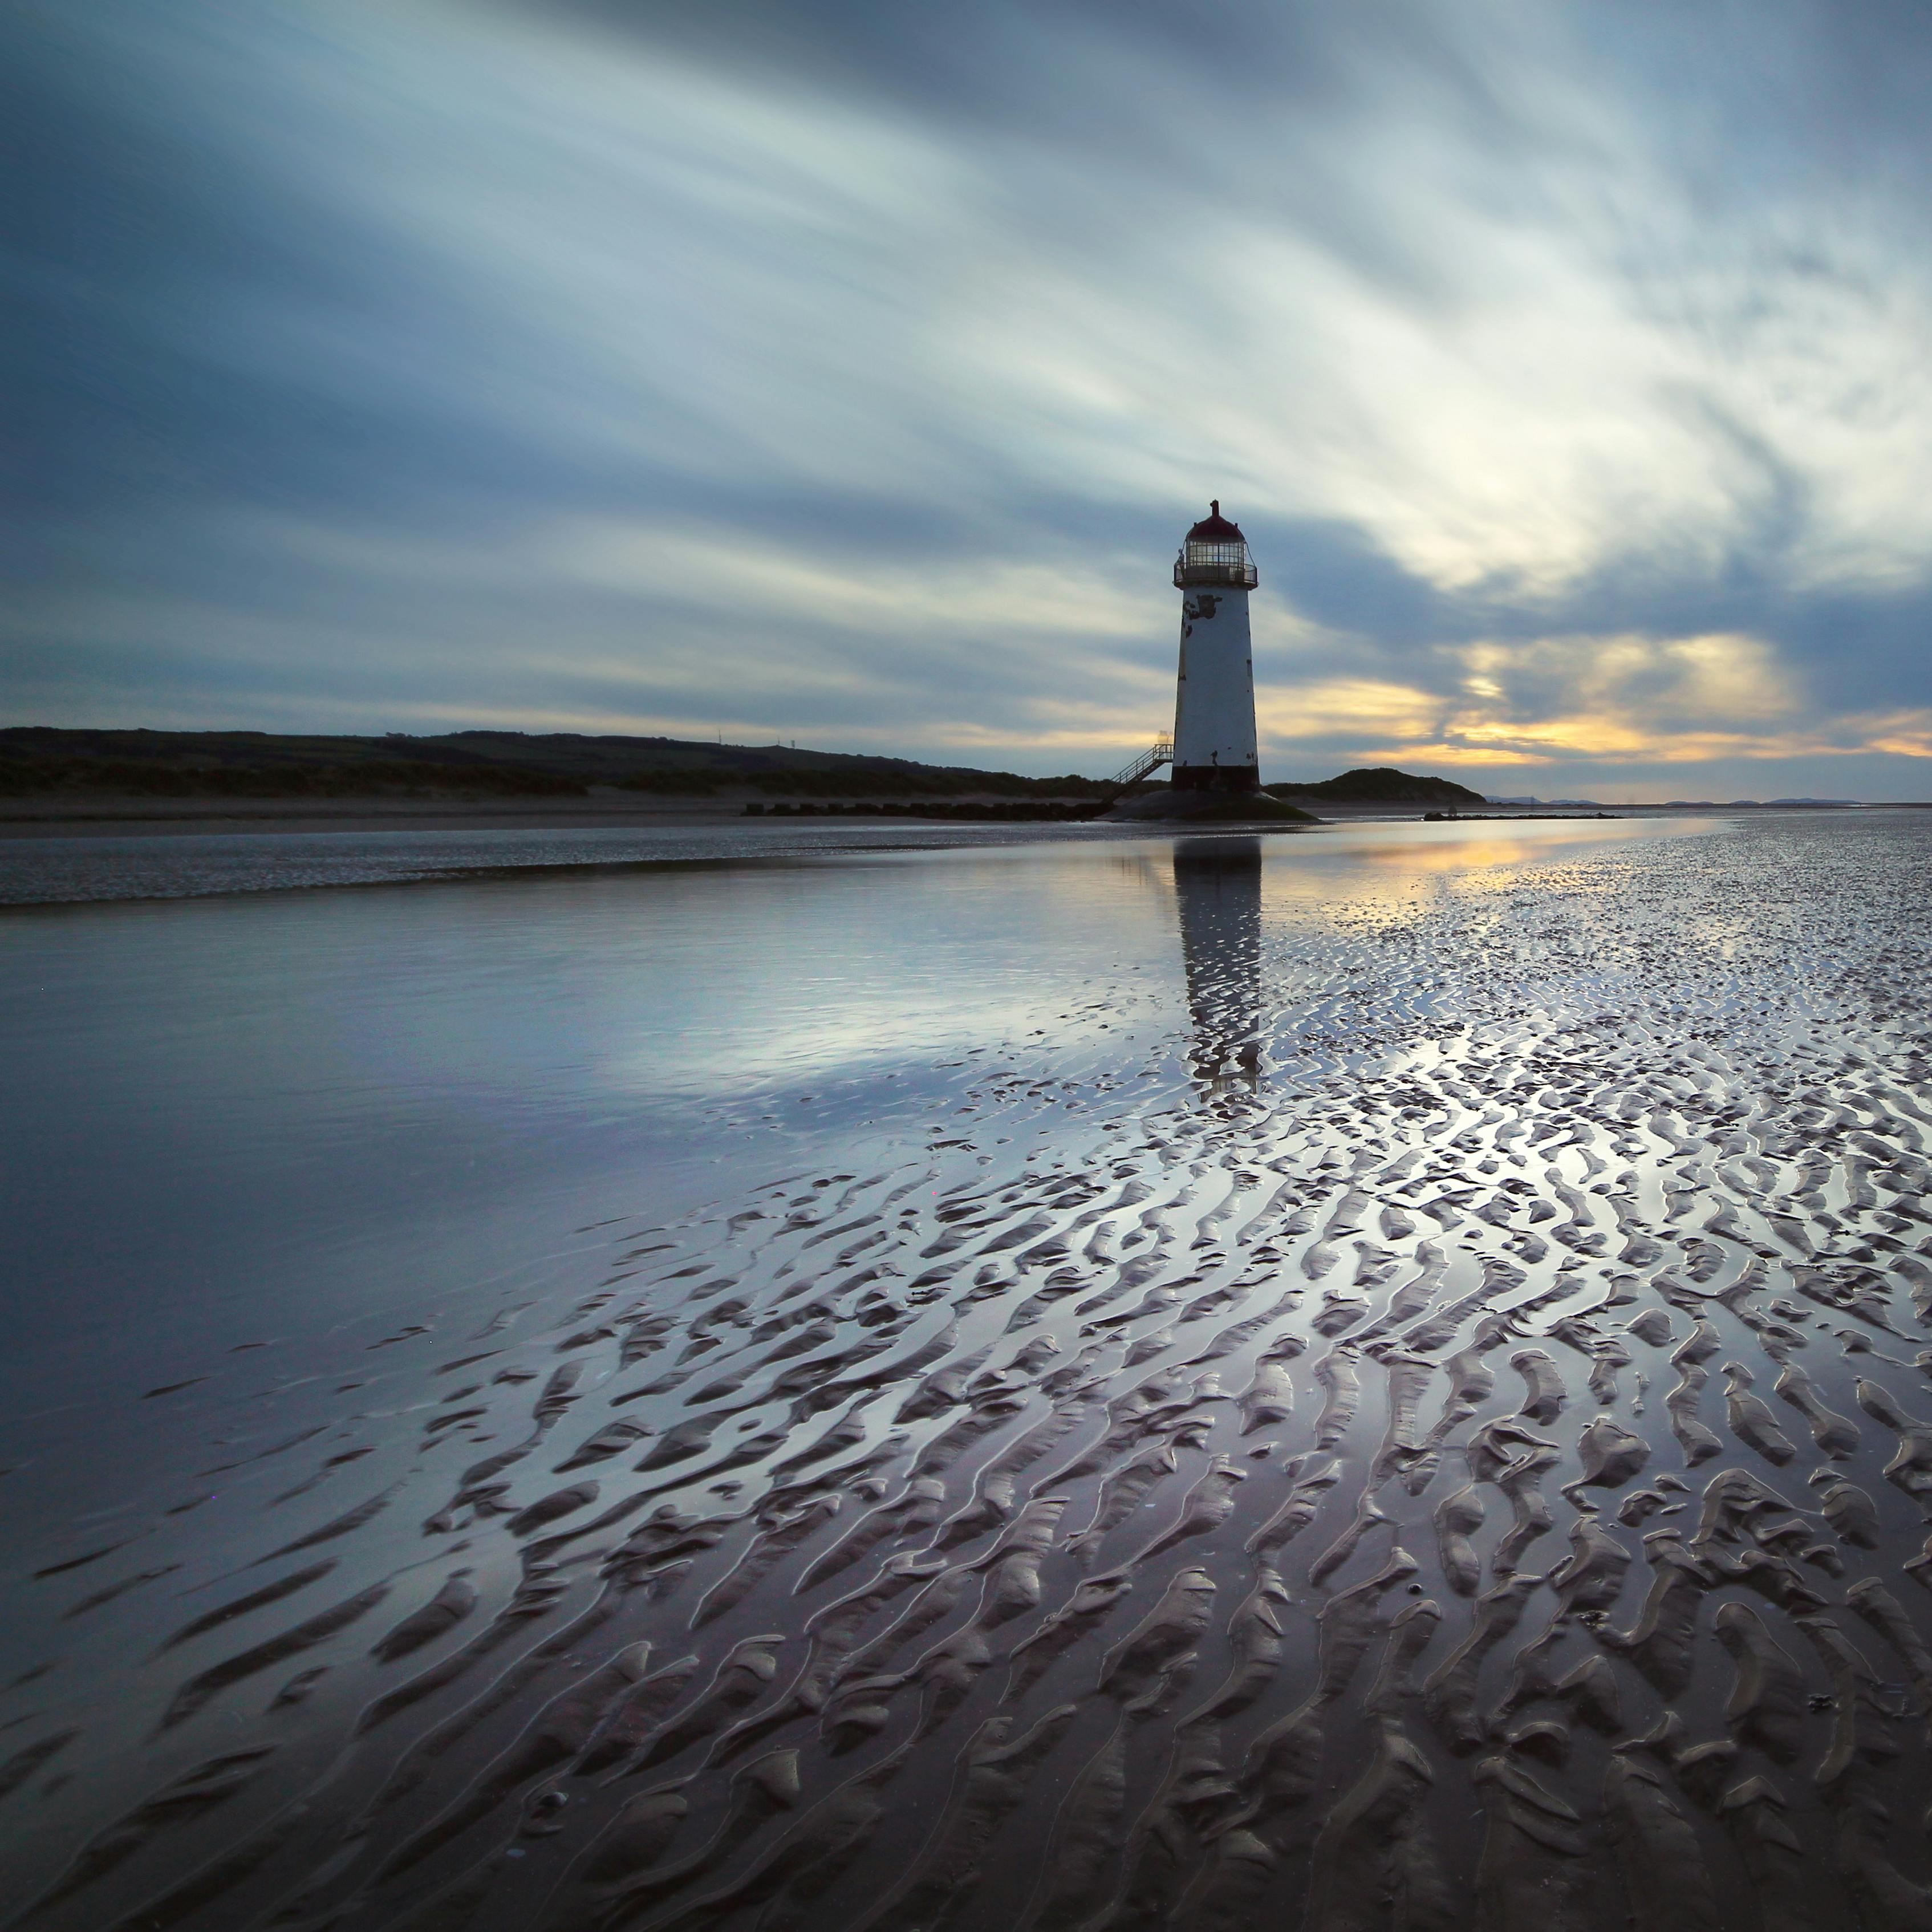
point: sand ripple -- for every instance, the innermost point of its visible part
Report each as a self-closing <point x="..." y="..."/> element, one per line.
<point x="1464" y="1461"/>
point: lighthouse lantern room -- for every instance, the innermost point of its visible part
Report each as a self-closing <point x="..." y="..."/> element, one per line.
<point x="1214" y="702"/>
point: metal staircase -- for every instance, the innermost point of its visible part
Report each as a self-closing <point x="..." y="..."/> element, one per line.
<point x="1161" y="752"/>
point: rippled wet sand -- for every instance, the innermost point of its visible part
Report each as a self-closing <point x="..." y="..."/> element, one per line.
<point x="1461" y="1455"/>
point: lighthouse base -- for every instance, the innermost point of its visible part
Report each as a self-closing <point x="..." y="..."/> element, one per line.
<point x="1172" y="803"/>
<point x="1222" y="779"/>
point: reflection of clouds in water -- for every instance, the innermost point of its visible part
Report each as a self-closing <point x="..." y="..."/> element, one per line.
<point x="865" y="977"/>
<point x="1457" y="858"/>
<point x="1376" y="866"/>
<point x="1217" y="886"/>
<point x="847" y="969"/>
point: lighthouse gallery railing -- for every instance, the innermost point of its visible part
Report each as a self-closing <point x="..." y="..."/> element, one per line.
<point x="1202" y="565"/>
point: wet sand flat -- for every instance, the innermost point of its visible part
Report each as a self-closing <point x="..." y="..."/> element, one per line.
<point x="1203" y="1385"/>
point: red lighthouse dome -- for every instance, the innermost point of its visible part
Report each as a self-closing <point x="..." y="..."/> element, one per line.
<point x="1215" y="528"/>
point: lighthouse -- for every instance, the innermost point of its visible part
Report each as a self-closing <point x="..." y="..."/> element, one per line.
<point x="1214" y="700"/>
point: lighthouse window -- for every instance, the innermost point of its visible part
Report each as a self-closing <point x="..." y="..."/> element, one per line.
<point x="1204" y="562"/>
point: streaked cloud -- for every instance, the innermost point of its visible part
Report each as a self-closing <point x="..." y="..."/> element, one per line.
<point x="1628" y="700"/>
<point x="848" y="374"/>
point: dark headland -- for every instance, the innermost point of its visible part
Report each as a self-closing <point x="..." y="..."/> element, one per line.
<point x="57" y="780"/>
<point x="1368" y="788"/>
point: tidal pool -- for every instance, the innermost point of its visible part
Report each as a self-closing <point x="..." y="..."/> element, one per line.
<point x="1370" y="1379"/>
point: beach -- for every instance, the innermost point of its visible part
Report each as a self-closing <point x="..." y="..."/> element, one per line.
<point x="828" y="1377"/>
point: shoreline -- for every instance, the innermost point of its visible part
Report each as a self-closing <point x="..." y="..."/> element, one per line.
<point x="59" y="867"/>
<point x="62" y="818"/>
<point x="105" y="816"/>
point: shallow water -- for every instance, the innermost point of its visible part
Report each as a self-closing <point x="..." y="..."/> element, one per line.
<point x="147" y="865"/>
<point x="1030" y="1384"/>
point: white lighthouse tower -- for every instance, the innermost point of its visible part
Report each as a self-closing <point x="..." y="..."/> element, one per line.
<point x="1214" y="702"/>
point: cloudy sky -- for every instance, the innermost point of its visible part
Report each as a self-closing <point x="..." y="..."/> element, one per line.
<point x="848" y="370"/>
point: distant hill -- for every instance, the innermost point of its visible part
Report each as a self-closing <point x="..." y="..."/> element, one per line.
<point x="39" y="759"/>
<point x="1382" y="784"/>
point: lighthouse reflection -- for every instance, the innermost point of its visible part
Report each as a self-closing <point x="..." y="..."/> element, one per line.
<point x="1217" y="884"/>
